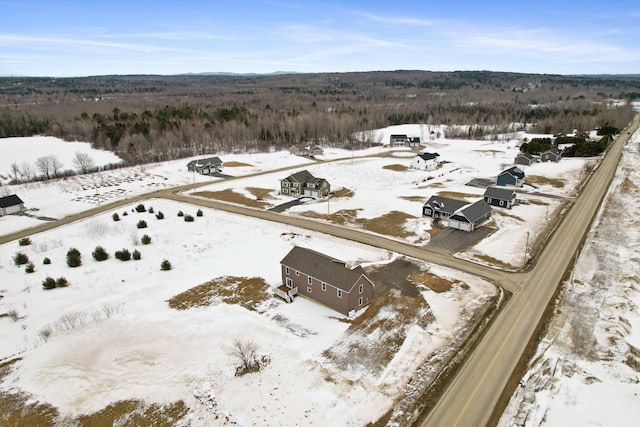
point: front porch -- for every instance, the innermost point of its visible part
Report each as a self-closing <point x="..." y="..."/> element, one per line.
<point x="286" y="293"/>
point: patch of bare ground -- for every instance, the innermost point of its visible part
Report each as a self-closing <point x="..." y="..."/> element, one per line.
<point x="248" y="292"/>
<point x="234" y="164"/>
<point x="231" y="196"/>
<point x="433" y="282"/>
<point x="414" y="198"/>
<point x="260" y="193"/>
<point x="343" y="216"/>
<point x="133" y="413"/>
<point x="494" y="261"/>
<point x="390" y="224"/>
<point x="374" y="337"/>
<point x="396" y="167"/>
<point x="343" y="192"/>
<point x="543" y="180"/>
<point x="20" y="409"/>
<point x="456" y="195"/>
<point x="537" y="202"/>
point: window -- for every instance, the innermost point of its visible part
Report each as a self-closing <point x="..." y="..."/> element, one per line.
<point x="285" y="184"/>
<point x="339" y="293"/>
<point x="309" y="289"/>
<point x="360" y="289"/>
<point x="286" y="270"/>
<point x="289" y="283"/>
<point x="324" y="286"/>
<point x="309" y="280"/>
<point x="488" y="199"/>
<point x="297" y="273"/>
<point x="501" y="202"/>
<point x="285" y="191"/>
<point x="295" y="185"/>
<point x="360" y="301"/>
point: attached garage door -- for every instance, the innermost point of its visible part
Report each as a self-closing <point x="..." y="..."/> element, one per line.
<point x="312" y="193"/>
<point x="459" y="225"/>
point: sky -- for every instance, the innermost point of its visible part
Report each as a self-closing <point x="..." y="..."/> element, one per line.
<point x="81" y="38"/>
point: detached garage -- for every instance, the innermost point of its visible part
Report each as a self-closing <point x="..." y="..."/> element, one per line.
<point x="10" y="205"/>
<point x="471" y="216"/>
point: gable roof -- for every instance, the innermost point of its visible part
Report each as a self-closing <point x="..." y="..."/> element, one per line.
<point x="302" y="176"/>
<point x="553" y="151"/>
<point x="444" y="204"/>
<point x="514" y="171"/>
<point x="208" y="160"/>
<point x="10" y="200"/>
<point x="500" y="193"/>
<point x="428" y="156"/>
<point x="475" y="211"/>
<point x="528" y="156"/>
<point x="398" y="135"/>
<point x="323" y="267"/>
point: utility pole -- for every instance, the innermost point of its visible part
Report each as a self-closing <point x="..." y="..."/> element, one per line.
<point x="526" y="249"/>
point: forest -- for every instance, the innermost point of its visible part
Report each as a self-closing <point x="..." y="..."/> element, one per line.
<point x="148" y="118"/>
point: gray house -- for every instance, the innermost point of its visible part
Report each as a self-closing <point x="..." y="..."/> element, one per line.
<point x="503" y="197"/>
<point x="10" y="205"/>
<point x="441" y="207"/>
<point x="306" y="150"/>
<point x="513" y="176"/>
<point x="206" y="166"/>
<point x="551" y="155"/>
<point x="398" y="140"/>
<point x="304" y="184"/>
<point x="524" y="159"/>
<point x="324" y="279"/>
<point x="471" y="216"/>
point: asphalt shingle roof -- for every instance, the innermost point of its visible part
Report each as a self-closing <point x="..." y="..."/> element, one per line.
<point x="11" y="200"/>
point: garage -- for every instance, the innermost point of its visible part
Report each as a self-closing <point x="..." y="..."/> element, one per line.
<point x="459" y="224"/>
<point x="470" y="216"/>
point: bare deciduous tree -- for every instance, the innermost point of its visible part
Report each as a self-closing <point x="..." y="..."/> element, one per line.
<point x="27" y="172"/>
<point x="49" y="166"/>
<point x="83" y="162"/>
<point x="245" y="352"/>
<point x="14" y="172"/>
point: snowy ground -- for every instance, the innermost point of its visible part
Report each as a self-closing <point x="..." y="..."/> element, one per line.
<point x="587" y="368"/>
<point x="112" y="332"/>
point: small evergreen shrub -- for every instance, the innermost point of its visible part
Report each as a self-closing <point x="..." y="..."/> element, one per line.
<point x="136" y="255"/>
<point x="46" y="261"/>
<point x="62" y="282"/>
<point x="180" y="213"/>
<point x="160" y="215"/>
<point x="49" y="283"/>
<point x="100" y="254"/>
<point x="142" y="224"/>
<point x="74" y="258"/>
<point x="199" y="213"/>
<point x="30" y="268"/>
<point x="188" y="218"/>
<point x="125" y="213"/>
<point x="145" y="239"/>
<point x="115" y="217"/>
<point x="141" y="208"/>
<point x="123" y="255"/>
<point x="20" y="258"/>
<point x="165" y="265"/>
<point x="150" y="209"/>
<point x="25" y="241"/>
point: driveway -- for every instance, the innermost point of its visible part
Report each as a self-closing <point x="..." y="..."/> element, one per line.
<point x="450" y="240"/>
<point x="283" y="207"/>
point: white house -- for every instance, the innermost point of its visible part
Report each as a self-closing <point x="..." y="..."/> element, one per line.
<point x="425" y="161"/>
<point x="10" y="205"/>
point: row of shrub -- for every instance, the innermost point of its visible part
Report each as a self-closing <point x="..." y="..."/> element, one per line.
<point x="50" y="282"/>
<point x="143" y="224"/>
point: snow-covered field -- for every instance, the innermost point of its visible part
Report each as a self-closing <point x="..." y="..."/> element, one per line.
<point x="111" y="335"/>
<point x="586" y="370"/>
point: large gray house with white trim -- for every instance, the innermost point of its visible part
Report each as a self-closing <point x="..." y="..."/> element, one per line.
<point x="304" y="184"/>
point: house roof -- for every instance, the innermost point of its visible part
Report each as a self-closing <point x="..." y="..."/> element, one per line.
<point x="475" y="211"/>
<point x="528" y="156"/>
<point x="444" y="204"/>
<point x="398" y="135"/>
<point x="302" y="176"/>
<point x="208" y="160"/>
<point x="500" y="193"/>
<point x="323" y="267"/>
<point x="515" y="171"/>
<point x="553" y="151"/>
<point x="428" y="156"/>
<point x="11" y="200"/>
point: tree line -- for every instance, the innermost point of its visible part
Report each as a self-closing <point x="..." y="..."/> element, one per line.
<point x="155" y="118"/>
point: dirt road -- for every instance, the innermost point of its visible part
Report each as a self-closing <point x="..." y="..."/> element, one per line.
<point x="474" y="392"/>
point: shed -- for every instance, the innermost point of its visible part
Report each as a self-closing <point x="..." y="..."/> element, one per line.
<point x="10" y="205"/>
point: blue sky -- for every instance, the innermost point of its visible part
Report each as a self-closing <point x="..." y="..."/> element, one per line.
<point x="80" y="38"/>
